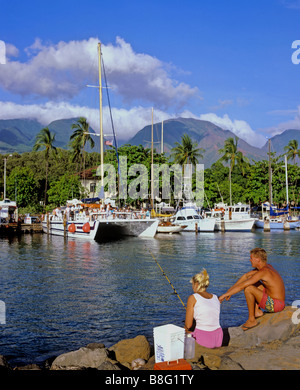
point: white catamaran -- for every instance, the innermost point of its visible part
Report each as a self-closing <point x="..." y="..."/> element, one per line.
<point x="100" y="225"/>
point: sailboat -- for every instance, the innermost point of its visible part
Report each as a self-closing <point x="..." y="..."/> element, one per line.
<point x="100" y="225"/>
<point x="273" y="218"/>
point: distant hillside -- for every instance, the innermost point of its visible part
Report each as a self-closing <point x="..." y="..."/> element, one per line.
<point x="208" y="136"/>
<point x="278" y="142"/>
<point x="18" y="135"/>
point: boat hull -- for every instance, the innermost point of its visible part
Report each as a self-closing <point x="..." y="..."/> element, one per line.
<point x="102" y="229"/>
<point x="278" y="225"/>
<point x="170" y="229"/>
<point x="232" y="225"/>
<point x="202" y="225"/>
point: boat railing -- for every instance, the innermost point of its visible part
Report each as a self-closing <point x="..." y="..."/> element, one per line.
<point x="119" y="215"/>
<point x="99" y="215"/>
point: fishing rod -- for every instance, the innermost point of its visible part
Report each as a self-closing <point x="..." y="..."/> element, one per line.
<point x="167" y="278"/>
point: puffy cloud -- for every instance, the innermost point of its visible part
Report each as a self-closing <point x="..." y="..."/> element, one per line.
<point x="126" y="122"/>
<point x="61" y="71"/>
<point x="239" y="127"/>
<point x="290" y="124"/>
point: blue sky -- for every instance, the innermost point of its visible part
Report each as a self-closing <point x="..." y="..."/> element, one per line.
<point x="229" y="62"/>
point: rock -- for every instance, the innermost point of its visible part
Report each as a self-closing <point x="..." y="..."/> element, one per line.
<point x="33" y="366"/>
<point x="275" y="326"/>
<point x="107" y="365"/>
<point x="80" y="359"/>
<point x="4" y="366"/>
<point x="131" y="349"/>
<point x="95" y="345"/>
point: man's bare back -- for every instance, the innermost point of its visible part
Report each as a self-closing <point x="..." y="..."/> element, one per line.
<point x="272" y="282"/>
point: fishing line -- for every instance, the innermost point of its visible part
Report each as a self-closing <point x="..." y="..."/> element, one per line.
<point x="167" y="278"/>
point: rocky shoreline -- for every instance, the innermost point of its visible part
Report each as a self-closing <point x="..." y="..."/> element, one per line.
<point x="274" y="344"/>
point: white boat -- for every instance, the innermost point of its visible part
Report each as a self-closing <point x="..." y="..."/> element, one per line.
<point x="189" y="216"/>
<point x="169" y="228"/>
<point x="233" y="218"/>
<point x="276" y="219"/>
<point x="100" y="226"/>
<point x="8" y="211"/>
<point x="278" y="224"/>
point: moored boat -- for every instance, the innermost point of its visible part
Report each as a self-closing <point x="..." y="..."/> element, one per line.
<point x="169" y="228"/>
<point x="189" y="216"/>
<point x="233" y="218"/>
<point x="100" y="226"/>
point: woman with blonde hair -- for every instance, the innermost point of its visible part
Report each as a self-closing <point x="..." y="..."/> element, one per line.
<point x="204" y="308"/>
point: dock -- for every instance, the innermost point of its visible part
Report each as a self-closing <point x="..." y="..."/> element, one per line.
<point x="14" y="229"/>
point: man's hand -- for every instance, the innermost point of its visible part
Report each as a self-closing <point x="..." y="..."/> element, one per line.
<point x="224" y="296"/>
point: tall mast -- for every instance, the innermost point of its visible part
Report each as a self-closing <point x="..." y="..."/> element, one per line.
<point x="152" y="184"/>
<point x="270" y="175"/>
<point x="286" y="181"/>
<point x="101" y="116"/>
<point x="162" y="138"/>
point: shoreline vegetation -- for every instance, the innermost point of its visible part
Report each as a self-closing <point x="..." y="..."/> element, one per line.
<point x="272" y="345"/>
<point x="35" y="180"/>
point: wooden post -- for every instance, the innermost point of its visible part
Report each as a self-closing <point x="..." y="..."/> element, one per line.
<point x="48" y="223"/>
<point x="65" y="225"/>
<point x="286" y="225"/>
<point x="222" y="225"/>
<point x="196" y="228"/>
<point x="267" y="225"/>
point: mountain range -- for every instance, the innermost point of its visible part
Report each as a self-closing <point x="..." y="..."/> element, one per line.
<point x="18" y="135"/>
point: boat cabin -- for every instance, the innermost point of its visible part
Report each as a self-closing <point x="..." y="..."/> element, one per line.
<point x="8" y="211"/>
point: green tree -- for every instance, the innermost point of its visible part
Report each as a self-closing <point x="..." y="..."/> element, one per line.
<point x="45" y="139"/>
<point x="80" y="138"/>
<point x="232" y="155"/>
<point x="22" y="186"/>
<point x="68" y="186"/>
<point x="187" y="152"/>
<point x="292" y="150"/>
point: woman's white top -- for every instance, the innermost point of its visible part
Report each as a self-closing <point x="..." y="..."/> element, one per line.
<point x="207" y="312"/>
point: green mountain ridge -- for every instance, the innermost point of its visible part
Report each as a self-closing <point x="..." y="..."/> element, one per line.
<point x="18" y="135"/>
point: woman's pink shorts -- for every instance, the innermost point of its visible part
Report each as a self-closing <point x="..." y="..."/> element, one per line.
<point x="209" y="339"/>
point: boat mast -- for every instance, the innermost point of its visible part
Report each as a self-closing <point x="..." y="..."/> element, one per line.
<point x="162" y="138"/>
<point x="270" y="176"/>
<point x="101" y="117"/>
<point x="286" y="182"/>
<point x="152" y="184"/>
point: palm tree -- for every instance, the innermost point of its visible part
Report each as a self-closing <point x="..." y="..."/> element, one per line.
<point x="45" y="139"/>
<point x="292" y="150"/>
<point x="81" y="137"/>
<point x="187" y="152"/>
<point x="232" y="155"/>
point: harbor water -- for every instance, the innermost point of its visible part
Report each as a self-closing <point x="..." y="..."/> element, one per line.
<point x="60" y="295"/>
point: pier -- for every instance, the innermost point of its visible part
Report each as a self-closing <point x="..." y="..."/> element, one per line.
<point x="13" y="228"/>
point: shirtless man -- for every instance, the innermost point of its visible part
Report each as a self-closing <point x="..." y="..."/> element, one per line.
<point x="263" y="288"/>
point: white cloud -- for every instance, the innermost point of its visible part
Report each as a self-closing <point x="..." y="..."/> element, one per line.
<point x="290" y="124"/>
<point x="239" y="127"/>
<point x="126" y="122"/>
<point x="62" y="70"/>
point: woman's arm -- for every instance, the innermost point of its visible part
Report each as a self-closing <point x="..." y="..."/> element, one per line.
<point x="189" y="316"/>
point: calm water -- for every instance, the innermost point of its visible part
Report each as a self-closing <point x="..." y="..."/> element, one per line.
<point x="61" y="295"/>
